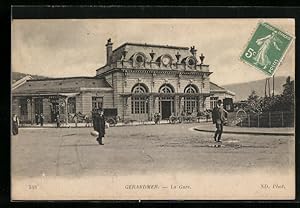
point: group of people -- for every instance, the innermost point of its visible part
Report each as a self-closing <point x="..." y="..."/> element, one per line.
<point x="39" y="119"/>
<point x="218" y="118"/>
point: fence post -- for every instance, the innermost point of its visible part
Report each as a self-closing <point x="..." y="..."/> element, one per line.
<point x="249" y="120"/>
<point x="257" y="120"/>
<point x="269" y="119"/>
<point x="282" y="118"/>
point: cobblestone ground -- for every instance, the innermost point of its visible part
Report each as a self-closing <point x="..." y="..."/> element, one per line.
<point x="144" y="149"/>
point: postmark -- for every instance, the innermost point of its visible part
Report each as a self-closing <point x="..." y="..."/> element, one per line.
<point x="266" y="48"/>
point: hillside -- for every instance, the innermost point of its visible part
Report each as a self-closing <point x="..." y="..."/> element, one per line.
<point x="243" y="90"/>
<point x="18" y="75"/>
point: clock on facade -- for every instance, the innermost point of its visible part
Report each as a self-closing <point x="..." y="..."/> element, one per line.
<point x="139" y="59"/>
<point x="191" y="62"/>
<point x="165" y="60"/>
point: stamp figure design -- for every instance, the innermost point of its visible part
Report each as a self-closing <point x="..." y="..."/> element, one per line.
<point x="266" y="48"/>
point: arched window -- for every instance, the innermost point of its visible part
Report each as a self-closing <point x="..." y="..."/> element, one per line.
<point x="139" y="89"/>
<point x="139" y="102"/>
<point x="166" y="88"/>
<point x="190" y="102"/>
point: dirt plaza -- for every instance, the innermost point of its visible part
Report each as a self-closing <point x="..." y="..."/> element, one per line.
<point x="144" y="150"/>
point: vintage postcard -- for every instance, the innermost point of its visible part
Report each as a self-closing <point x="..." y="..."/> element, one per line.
<point x="142" y="109"/>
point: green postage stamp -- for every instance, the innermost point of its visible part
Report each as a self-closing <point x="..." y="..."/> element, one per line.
<point x="266" y="48"/>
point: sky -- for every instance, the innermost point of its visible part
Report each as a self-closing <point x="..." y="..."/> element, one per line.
<point x="76" y="47"/>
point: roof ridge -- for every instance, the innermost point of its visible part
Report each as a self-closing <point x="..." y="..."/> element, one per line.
<point x="62" y="78"/>
<point x="151" y="45"/>
<point x="217" y="85"/>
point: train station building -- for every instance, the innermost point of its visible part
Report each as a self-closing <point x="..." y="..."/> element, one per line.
<point x="137" y="80"/>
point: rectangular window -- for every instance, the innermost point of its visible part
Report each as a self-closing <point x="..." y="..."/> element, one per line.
<point x="142" y="106"/>
<point x="38" y="105"/>
<point x="190" y="105"/>
<point x="97" y="102"/>
<point x="213" y="102"/>
<point x="23" y="107"/>
<point x="139" y="106"/>
<point x="72" y="105"/>
<point x="132" y="106"/>
<point x="136" y="106"/>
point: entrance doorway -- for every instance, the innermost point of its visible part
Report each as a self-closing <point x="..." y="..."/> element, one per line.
<point x="165" y="109"/>
<point x="54" y="111"/>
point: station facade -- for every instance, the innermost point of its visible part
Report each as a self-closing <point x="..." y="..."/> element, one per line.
<point x="138" y="80"/>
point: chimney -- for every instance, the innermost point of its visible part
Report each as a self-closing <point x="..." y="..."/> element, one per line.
<point x="109" y="51"/>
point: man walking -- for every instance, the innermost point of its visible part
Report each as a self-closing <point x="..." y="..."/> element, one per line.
<point x="218" y="117"/>
<point x="99" y="125"/>
<point x="41" y="119"/>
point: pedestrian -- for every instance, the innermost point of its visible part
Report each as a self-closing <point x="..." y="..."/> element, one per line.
<point x="57" y="120"/>
<point x="218" y="117"/>
<point x="42" y="119"/>
<point x="156" y="118"/>
<point x="36" y="118"/>
<point x="99" y="125"/>
<point x="207" y="115"/>
<point x="15" y="124"/>
<point x="75" y="118"/>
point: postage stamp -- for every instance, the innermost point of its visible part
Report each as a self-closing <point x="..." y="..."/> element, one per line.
<point x="266" y="48"/>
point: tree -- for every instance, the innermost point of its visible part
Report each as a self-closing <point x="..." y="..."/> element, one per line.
<point x="283" y="102"/>
<point x="288" y="95"/>
<point x="254" y="103"/>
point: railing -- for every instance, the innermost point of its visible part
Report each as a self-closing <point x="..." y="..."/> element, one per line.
<point x="267" y="119"/>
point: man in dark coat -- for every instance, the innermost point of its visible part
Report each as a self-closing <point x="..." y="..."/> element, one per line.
<point x="99" y="125"/>
<point x="36" y="118"/>
<point x="42" y="119"/>
<point x="218" y="117"/>
<point x="57" y="120"/>
<point x="15" y="124"/>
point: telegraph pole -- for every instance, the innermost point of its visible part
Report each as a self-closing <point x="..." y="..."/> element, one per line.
<point x="273" y="85"/>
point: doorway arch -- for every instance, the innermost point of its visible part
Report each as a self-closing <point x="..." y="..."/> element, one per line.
<point x="166" y="100"/>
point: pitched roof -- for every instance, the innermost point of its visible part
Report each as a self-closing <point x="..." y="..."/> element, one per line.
<point x="21" y="81"/>
<point x="55" y="85"/>
<point x="215" y="87"/>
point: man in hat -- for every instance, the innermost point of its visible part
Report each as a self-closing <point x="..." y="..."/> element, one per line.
<point x="15" y="124"/>
<point x="218" y="117"/>
<point x="99" y="125"/>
